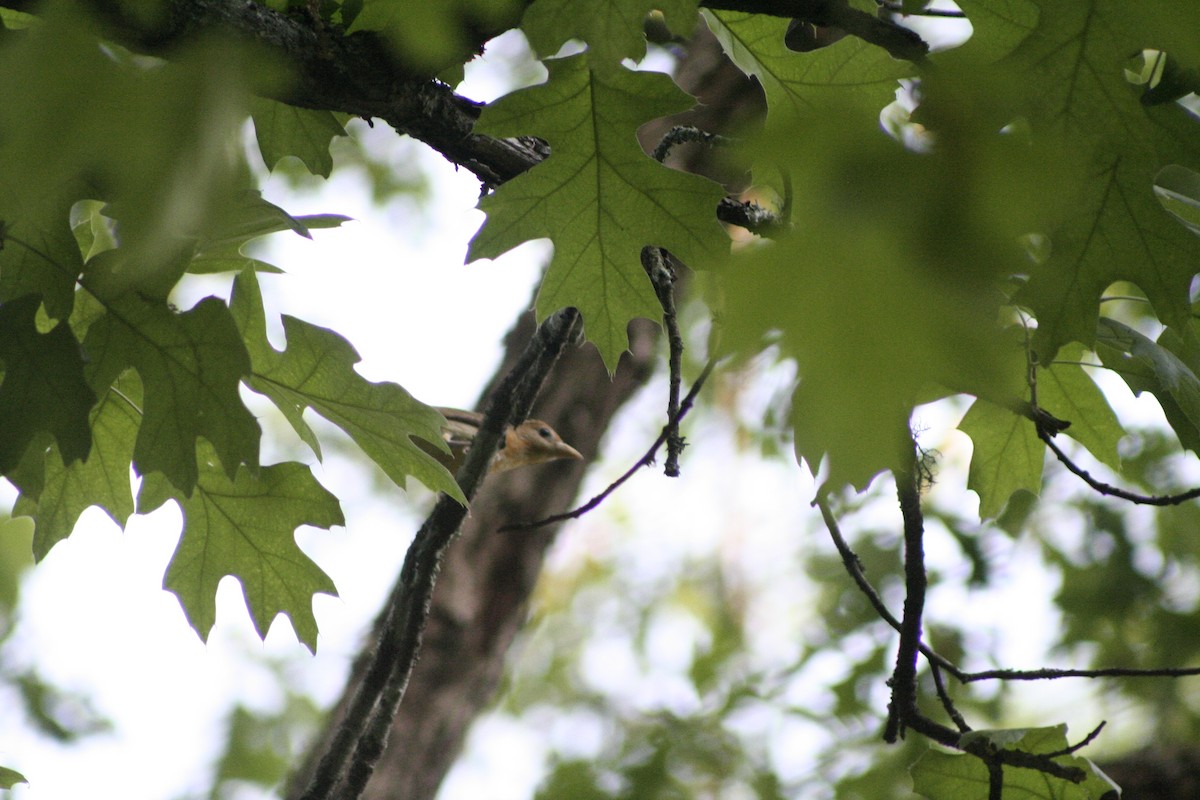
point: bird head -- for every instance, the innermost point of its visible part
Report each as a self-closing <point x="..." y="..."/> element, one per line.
<point x="531" y="442"/>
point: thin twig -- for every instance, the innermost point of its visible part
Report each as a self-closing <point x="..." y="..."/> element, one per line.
<point x="904" y="676"/>
<point x="657" y="263"/>
<point x="751" y="216"/>
<point x="646" y="460"/>
<point x="681" y="134"/>
<point x="1050" y="674"/>
<point x="944" y="696"/>
<point x="1066" y="751"/>
<point x="897" y="8"/>
<point x="854" y="567"/>
<point x="1109" y="489"/>
<point x="995" y="779"/>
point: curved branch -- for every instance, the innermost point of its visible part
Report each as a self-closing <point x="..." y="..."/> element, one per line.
<point x="1108" y="489"/>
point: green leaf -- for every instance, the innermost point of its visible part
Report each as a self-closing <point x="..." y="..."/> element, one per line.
<point x="1008" y="456"/>
<point x="317" y="371"/>
<point x="1069" y="393"/>
<point x="433" y="36"/>
<point x="1146" y="366"/>
<point x="284" y="130"/>
<point x="613" y="29"/>
<point x="1114" y="228"/>
<point x="103" y="480"/>
<point x="16" y="20"/>
<point x="941" y="775"/>
<point x="190" y="364"/>
<point x="81" y="120"/>
<point x="851" y="75"/>
<point x="44" y="387"/>
<point x="598" y="197"/>
<point x="245" y="527"/>
<point x="888" y="285"/>
<point x="220" y="248"/>
<point x="998" y="26"/>
<point x="10" y="778"/>
<point x="1178" y="190"/>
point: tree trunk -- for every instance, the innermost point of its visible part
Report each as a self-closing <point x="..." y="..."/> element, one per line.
<point x="483" y="590"/>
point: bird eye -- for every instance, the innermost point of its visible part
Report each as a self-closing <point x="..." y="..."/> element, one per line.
<point x="545" y="433"/>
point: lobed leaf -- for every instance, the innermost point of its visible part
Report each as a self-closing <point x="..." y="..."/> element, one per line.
<point x="611" y="28"/>
<point x="1114" y="228"/>
<point x="43" y="387"/>
<point x="598" y="197"/>
<point x="850" y="76"/>
<point x="82" y="121"/>
<point x="245" y="526"/>
<point x="306" y="134"/>
<point x="1008" y="456"/>
<point x="1069" y="393"/>
<point x="64" y="491"/>
<point x="1146" y="366"/>
<point x="190" y="364"/>
<point x="317" y="371"/>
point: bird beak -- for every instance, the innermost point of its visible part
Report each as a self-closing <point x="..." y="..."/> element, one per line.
<point x="564" y="450"/>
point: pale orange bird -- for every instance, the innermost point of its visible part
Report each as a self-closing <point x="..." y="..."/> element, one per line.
<point x="531" y="442"/>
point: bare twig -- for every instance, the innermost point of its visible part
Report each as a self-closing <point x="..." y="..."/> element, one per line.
<point x="687" y="133"/>
<point x="751" y="216"/>
<point x="995" y="779"/>
<point x="1107" y="488"/>
<point x="854" y="567"/>
<point x="944" y="696"/>
<point x="904" y="677"/>
<point x="1050" y="674"/>
<point x="1066" y="751"/>
<point x="657" y="263"/>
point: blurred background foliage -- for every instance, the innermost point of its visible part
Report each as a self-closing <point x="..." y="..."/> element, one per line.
<point x="749" y="666"/>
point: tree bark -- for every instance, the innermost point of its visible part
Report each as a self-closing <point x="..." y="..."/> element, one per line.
<point x="482" y="593"/>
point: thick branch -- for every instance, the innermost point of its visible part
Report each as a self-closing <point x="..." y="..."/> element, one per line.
<point x="355" y="74"/>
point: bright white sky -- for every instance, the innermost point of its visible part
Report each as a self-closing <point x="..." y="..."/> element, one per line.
<point x="95" y="618"/>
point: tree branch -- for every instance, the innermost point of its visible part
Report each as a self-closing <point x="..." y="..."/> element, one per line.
<point x="900" y="42"/>
<point x="356" y="747"/>
<point x="904" y="677"/>
<point x="853" y="566"/>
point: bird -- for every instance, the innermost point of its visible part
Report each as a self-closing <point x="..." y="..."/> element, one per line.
<point x="531" y="442"/>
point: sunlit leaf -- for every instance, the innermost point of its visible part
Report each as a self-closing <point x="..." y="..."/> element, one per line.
<point x="284" y="130"/>
<point x="1008" y="455"/>
<point x="1146" y="366"/>
<point x="245" y="527"/>
<point x="1114" y="228"/>
<point x="317" y="371"/>
<point x="942" y="775"/>
<point x="66" y="490"/>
